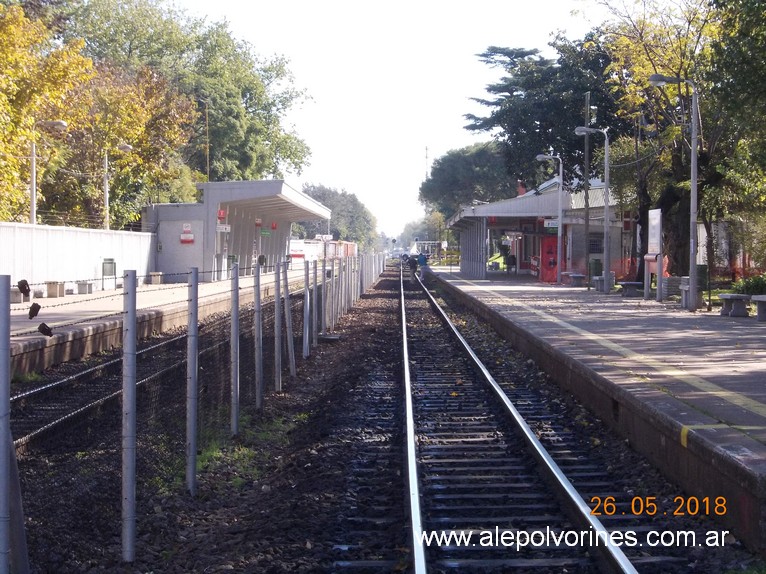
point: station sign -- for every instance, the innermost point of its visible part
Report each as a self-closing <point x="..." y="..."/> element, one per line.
<point x="551" y="223"/>
<point x="223" y="228"/>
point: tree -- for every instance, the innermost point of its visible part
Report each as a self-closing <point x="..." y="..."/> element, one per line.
<point x="350" y="220"/>
<point x="738" y="70"/>
<point x="37" y="78"/>
<point x="122" y="107"/>
<point x="676" y="41"/>
<point x="477" y="172"/>
<point x="539" y="102"/>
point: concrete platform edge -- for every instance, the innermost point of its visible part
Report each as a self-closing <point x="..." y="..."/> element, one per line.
<point x="685" y="456"/>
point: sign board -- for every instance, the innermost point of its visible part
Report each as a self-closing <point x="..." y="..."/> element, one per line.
<point x="324" y="237"/>
<point x="258" y="222"/>
<point x="187" y="238"/>
<point x="551" y="223"/>
<point x="223" y="228"/>
<point x="265" y="233"/>
<point x="655" y="231"/>
<point x="221" y="214"/>
<point x="187" y="227"/>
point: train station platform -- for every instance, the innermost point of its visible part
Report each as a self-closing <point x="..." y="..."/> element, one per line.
<point x="85" y="324"/>
<point x="687" y="390"/>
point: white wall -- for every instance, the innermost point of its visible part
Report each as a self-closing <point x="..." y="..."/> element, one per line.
<point x="40" y="253"/>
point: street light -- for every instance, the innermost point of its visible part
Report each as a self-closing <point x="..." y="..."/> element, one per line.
<point x="581" y="131"/>
<point x="659" y="80"/>
<point x="56" y="125"/>
<point x="122" y="147"/>
<point x="559" y="243"/>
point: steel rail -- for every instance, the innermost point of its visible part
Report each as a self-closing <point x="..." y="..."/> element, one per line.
<point x="416" y="524"/>
<point x="610" y="555"/>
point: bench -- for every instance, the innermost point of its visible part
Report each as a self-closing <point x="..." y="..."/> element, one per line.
<point x="55" y="288"/>
<point x="598" y="282"/>
<point x="760" y="306"/>
<point x="734" y="305"/>
<point x="630" y="288"/>
<point x="576" y="280"/>
<point x="684" y="289"/>
<point x="17" y="296"/>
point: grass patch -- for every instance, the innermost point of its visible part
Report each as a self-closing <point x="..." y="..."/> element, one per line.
<point x="27" y="378"/>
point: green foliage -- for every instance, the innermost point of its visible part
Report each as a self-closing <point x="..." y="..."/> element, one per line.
<point x="350" y="220"/>
<point x="477" y="172"/>
<point x="536" y="105"/>
<point x="182" y="93"/>
<point x="755" y="285"/>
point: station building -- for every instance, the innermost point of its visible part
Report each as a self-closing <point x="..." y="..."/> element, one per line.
<point x="247" y="222"/>
<point x="528" y="225"/>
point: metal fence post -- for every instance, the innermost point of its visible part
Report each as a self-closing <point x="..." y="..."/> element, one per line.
<point x="13" y="539"/>
<point x="314" y="308"/>
<point x="289" y="325"/>
<point x="5" y="421"/>
<point x="192" y="363"/>
<point x="234" y="349"/>
<point x="277" y="329"/>
<point x="323" y="326"/>
<point x="306" y="311"/>
<point x="129" y="347"/>
<point x="258" y="339"/>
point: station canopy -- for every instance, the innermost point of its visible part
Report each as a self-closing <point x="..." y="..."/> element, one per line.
<point x="269" y="199"/>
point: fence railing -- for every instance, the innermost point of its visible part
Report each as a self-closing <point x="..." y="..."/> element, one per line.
<point x="169" y="417"/>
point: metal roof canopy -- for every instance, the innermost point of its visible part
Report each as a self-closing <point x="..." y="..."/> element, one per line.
<point x="540" y="202"/>
<point x="270" y="199"/>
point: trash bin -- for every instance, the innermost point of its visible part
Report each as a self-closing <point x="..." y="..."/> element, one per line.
<point x="595" y="267"/>
<point x="702" y="277"/>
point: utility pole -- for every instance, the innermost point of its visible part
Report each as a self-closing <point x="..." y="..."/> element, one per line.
<point x="586" y="172"/>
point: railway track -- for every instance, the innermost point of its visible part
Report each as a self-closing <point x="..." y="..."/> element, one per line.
<point x="483" y="498"/>
<point x="504" y="480"/>
<point x="486" y="484"/>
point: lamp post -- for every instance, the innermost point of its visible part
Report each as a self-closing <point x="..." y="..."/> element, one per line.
<point x="122" y="147"/>
<point x="581" y="131"/>
<point x="559" y="242"/>
<point x="659" y="80"/>
<point x="57" y="125"/>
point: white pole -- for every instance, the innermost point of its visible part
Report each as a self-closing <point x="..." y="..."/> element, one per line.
<point x="234" y="349"/>
<point x="692" y="299"/>
<point x="33" y="181"/>
<point x="607" y="254"/>
<point x="560" y="239"/>
<point x="129" y="345"/>
<point x="106" y="190"/>
<point x="192" y="358"/>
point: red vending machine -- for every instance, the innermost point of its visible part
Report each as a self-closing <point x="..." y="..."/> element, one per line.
<point x="548" y="263"/>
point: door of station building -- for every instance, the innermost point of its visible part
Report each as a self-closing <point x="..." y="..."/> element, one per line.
<point x="548" y="263"/>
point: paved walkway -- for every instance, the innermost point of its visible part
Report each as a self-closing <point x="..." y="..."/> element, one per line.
<point x="693" y="382"/>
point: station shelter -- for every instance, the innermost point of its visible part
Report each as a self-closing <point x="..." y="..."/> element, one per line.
<point x="247" y="222"/>
<point x="528" y="225"/>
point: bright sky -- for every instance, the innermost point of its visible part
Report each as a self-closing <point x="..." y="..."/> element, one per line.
<point x="390" y="81"/>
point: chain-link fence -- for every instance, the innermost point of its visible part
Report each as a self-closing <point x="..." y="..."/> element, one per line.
<point x="73" y="487"/>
